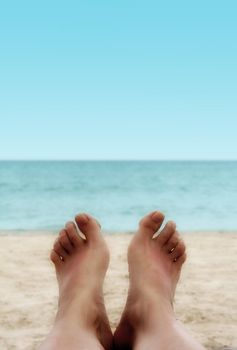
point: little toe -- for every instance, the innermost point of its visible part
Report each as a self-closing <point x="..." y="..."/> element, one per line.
<point x="55" y="258"/>
<point x="181" y="259"/>
<point x="73" y="235"/>
<point x="172" y="243"/>
<point x="178" y="251"/>
<point x="150" y="224"/>
<point x="167" y="232"/>
<point x="89" y="226"/>
<point x="58" y="248"/>
<point x="65" y="242"/>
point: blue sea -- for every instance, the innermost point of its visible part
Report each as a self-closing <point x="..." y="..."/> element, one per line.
<point x="44" y="194"/>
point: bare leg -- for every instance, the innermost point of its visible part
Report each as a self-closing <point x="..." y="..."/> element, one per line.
<point x="148" y="320"/>
<point x="81" y="321"/>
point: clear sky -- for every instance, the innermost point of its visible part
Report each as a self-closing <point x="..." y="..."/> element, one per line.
<point x="118" y="79"/>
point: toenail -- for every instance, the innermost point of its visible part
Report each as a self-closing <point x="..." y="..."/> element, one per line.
<point x="83" y="218"/>
<point x="98" y="223"/>
<point x="171" y="224"/>
<point x="157" y="216"/>
<point x="171" y="250"/>
<point x="69" y="224"/>
<point x="62" y="233"/>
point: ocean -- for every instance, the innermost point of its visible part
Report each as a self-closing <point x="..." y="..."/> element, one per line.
<point x="43" y="195"/>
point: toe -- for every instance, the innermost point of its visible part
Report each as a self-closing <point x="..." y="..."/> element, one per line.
<point x="73" y="235"/>
<point x="178" y="251"/>
<point x="65" y="242"/>
<point x="167" y="232"/>
<point x="151" y="223"/>
<point x="58" y="248"/>
<point x="88" y="226"/>
<point x="172" y="243"/>
<point x="181" y="259"/>
<point x="55" y="258"/>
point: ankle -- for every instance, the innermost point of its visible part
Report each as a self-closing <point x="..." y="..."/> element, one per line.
<point x="146" y="308"/>
<point x="84" y="310"/>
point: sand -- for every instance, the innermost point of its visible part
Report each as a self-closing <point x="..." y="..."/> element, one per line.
<point x="206" y="299"/>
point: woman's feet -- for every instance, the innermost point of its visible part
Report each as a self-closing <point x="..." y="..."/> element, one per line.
<point x="154" y="269"/>
<point x="148" y="321"/>
<point x="80" y="265"/>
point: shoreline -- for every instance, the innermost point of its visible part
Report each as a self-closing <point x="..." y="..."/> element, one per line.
<point x="205" y="300"/>
<point x="48" y="232"/>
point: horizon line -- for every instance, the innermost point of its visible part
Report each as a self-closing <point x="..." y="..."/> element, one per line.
<point x="119" y="160"/>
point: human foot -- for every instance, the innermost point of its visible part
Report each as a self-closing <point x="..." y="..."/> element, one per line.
<point x="154" y="269"/>
<point x="81" y="265"/>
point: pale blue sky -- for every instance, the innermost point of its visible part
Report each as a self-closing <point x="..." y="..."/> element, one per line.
<point x="118" y="79"/>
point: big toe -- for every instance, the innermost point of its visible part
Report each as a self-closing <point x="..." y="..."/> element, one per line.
<point x="89" y="226"/>
<point x="150" y="224"/>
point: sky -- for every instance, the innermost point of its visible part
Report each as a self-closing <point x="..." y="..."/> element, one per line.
<point x="118" y="79"/>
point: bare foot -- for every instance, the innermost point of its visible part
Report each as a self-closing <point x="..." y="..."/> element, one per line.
<point x="154" y="270"/>
<point x="81" y="265"/>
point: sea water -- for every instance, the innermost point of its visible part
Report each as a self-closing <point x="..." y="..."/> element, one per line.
<point x="44" y="194"/>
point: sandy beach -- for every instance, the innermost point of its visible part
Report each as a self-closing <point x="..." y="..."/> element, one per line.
<point x="206" y="299"/>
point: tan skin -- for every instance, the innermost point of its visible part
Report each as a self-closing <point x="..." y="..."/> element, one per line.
<point x="148" y="320"/>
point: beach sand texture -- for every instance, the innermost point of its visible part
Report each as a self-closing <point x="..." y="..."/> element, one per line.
<point x="206" y="299"/>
